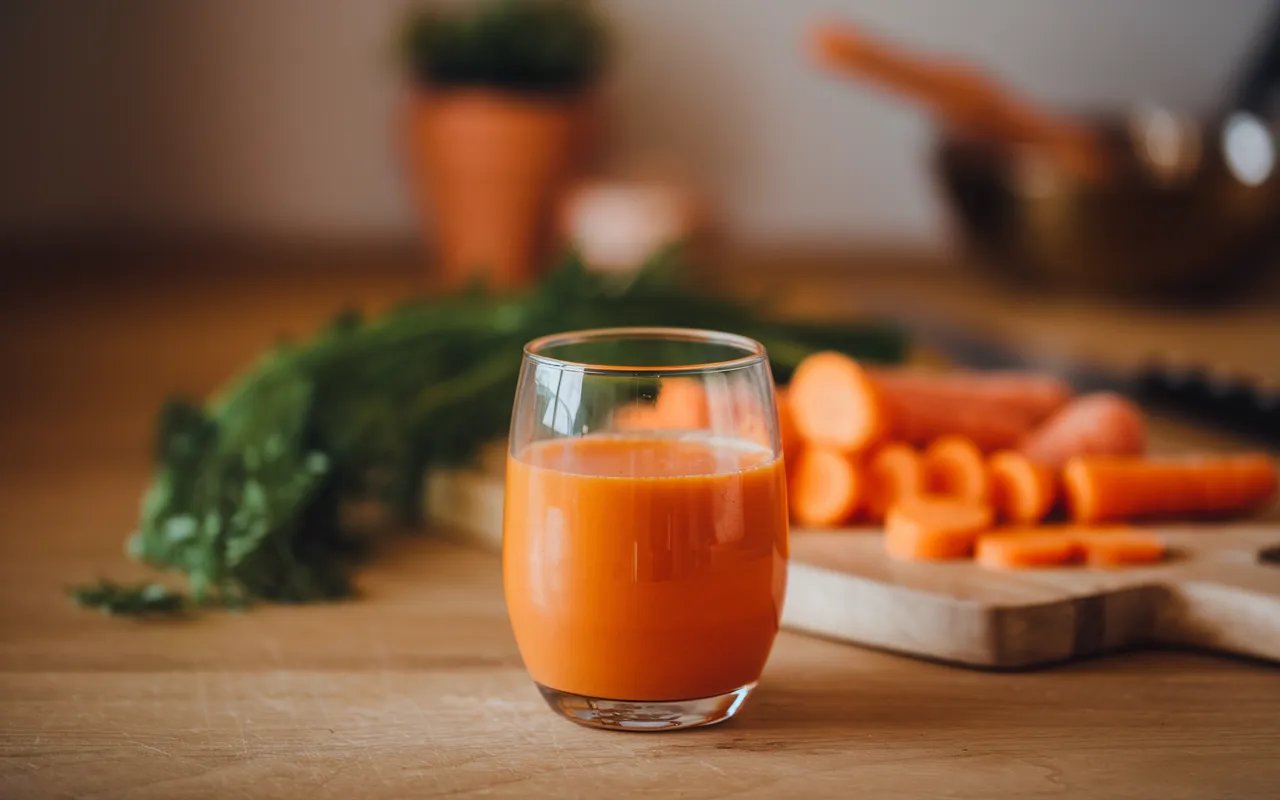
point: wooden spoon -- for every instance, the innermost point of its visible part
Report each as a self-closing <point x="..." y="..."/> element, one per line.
<point x="962" y="95"/>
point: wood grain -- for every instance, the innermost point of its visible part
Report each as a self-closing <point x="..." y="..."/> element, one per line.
<point x="416" y="689"/>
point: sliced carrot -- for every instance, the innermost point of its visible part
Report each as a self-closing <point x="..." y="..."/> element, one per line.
<point x="824" y="488"/>
<point x="1026" y="395"/>
<point x="1022" y="490"/>
<point x="1118" y="547"/>
<point x="1102" y="488"/>
<point x="683" y="404"/>
<point x="1096" y="424"/>
<point x="954" y="466"/>
<point x="894" y="471"/>
<point x="1019" y="548"/>
<point x="929" y="527"/>
<point x="835" y="405"/>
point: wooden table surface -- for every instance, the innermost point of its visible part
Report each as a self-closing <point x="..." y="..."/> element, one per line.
<point x="417" y="689"/>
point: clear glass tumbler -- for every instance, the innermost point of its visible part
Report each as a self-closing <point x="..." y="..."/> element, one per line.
<point x="645" y="526"/>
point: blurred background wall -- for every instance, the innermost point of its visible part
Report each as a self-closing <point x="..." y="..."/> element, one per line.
<point x="277" y="118"/>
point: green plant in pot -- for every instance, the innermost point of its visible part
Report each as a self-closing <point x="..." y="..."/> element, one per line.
<point x="500" y="123"/>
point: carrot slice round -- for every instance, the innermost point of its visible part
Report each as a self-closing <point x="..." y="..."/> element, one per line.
<point x="1020" y="548"/>
<point x="954" y="467"/>
<point x="835" y="405"/>
<point x="894" y="471"/>
<point x="824" y="488"/>
<point x="1119" y="546"/>
<point x="1022" y="490"/>
<point x="931" y="527"/>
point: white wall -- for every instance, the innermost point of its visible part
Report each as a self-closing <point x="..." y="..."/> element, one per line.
<point x="278" y="116"/>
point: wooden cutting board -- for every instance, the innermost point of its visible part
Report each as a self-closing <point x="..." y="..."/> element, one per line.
<point x="1218" y="590"/>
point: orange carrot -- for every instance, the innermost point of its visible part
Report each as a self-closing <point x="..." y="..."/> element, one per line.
<point x="682" y="404"/>
<point x="1096" y="424"/>
<point x="1019" y="548"/>
<point x="894" y="471"/>
<point x="1118" y="546"/>
<point x="1022" y="490"/>
<point x="918" y="420"/>
<point x="834" y="405"/>
<point x="1119" y="488"/>
<point x="1027" y="395"/>
<point x="1040" y="546"/>
<point x="954" y="466"/>
<point x="929" y="527"/>
<point x="824" y="488"/>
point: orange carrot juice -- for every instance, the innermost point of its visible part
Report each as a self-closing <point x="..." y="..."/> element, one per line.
<point x="645" y="568"/>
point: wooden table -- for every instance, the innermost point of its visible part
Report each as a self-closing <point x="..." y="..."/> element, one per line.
<point x="417" y="689"/>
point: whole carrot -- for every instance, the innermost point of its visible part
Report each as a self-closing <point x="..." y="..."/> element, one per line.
<point x="1031" y="396"/>
<point x="1119" y="488"/>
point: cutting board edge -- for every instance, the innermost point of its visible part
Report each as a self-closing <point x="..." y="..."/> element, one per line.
<point x="827" y="603"/>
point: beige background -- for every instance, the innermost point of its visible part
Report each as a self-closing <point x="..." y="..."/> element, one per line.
<point x="276" y="117"/>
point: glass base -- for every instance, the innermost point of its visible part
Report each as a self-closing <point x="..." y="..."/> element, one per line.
<point x="643" y="715"/>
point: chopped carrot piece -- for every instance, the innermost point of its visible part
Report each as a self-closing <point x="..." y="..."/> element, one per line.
<point x="930" y="527"/>
<point x="835" y="405"/>
<point x="954" y="467"/>
<point x="894" y="471"/>
<point x="824" y="488"/>
<point x="1022" y="490"/>
<point x="682" y="404"/>
<point x="1019" y="548"/>
<point x="1118" y="547"/>
<point x="1100" y="488"/>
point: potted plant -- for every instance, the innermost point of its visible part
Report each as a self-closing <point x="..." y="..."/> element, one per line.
<point x="499" y="123"/>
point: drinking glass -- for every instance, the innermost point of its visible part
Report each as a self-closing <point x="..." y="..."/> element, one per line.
<point x="645" y="524"/>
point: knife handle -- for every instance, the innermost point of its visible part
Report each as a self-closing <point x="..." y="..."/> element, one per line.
<point x="1227" y="400"/>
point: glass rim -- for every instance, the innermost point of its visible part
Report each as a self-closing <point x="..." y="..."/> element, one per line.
<point x="753" y="352"/>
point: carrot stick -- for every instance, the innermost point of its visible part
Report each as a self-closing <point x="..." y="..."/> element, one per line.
<point x="954" y="466"/>
<point x="824" y="488"/>
<point x="834" y="405"/>
<point x="1096" y="424"/>
<point x="1022" y="490"/>
<point x="1019" y="548"/>
<point x="1025" y="395"/>
<point x="1119" y="488"/>
<point x="894" y="471"/>
<point x="928" y="527"/>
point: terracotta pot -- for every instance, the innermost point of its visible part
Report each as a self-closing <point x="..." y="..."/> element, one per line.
<point x="488" y="168"/>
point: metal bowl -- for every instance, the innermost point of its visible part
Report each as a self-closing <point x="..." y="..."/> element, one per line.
<point x="1195" y="230"/>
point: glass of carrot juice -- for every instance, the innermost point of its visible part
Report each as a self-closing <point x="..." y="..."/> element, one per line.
<point x="645" y="525"/>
